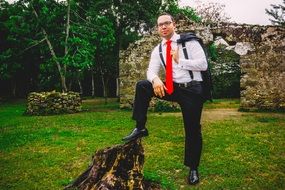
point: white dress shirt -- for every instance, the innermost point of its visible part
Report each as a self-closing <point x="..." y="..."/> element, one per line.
<point x="197" y="61"/>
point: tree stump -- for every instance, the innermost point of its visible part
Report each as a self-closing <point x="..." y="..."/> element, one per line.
<point x="115" y="168"/>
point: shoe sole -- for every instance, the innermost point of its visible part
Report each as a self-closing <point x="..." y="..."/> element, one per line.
<point x="193" y="183"/>
<point x="134" y="138"/>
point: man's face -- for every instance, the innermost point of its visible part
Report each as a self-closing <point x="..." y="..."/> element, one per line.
<point x="165" y="26"/>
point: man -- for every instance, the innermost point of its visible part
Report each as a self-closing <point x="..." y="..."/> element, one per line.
<point x="180" y="87"/>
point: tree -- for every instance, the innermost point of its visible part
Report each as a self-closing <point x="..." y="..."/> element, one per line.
<point x="73" y="41"/>
<point x="96" y="37"/>
<point x="183" y="12"/>
<point x="15" y="51"/>
<point x="41" y="9"/>
<point x="126" y="16"/>
<point x="277" y="13"/>
<point x="211" y="13"/>
<point x="91" y="43"/>
<point x="225" y="70"/>
<point x="132" y="16"/>
<point x="51" y="44"/>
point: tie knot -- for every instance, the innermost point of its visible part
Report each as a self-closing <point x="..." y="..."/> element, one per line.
<point x="168" y="42"/>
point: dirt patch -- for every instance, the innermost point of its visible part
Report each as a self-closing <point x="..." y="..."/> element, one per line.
<point x="211" y="114"/>
<point x="220" y="114"/>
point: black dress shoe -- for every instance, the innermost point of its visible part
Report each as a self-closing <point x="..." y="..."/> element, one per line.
<point x="136" y="133"/>
<point x="193" y="177"/>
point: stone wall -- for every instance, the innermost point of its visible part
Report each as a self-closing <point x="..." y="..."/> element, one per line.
<point x="263" y="71"/>
<point x="262" y="61"/>
<point x="133" y="65"/>
<point x="46" y="103"/>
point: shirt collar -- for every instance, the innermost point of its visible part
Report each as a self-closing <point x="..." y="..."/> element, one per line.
<point x="174" y="38"/>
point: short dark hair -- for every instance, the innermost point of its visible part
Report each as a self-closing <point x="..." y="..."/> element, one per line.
<point x="167" y="14"/>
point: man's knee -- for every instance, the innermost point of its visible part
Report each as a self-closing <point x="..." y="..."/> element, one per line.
<point x="143" y="84"/>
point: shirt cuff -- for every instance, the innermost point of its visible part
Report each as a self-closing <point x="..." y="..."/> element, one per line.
<point x="150" y="78"/>
<point x="182" y="64"/>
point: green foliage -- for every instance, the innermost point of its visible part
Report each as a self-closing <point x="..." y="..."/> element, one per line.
<point x="172" y="7"/>
<point x="129" y="37"/>
<point x="225" y="73"/>
<point x="47" y="81"/>
<point x="22" y="35"/>
<point x="213" y="52"/>
<point x="165" y="106"/>
<point x="98" y="31"/>
<point x="9" y="66"/>
<point x="11" y="22"/>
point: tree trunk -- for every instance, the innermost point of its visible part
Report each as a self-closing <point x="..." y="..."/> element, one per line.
<point x="13" y="90"/>
<point x="70" y="85"/>
<point x="106" y="90"/>
<point x="115" y="168"/>
<point x="117" y="48"/>
<point x="103" y="86"/>
<point x="80" y="86"/>
<point x="92" y="83"/>
<point x="118" y="87"/>
<point x="67" y="33"/>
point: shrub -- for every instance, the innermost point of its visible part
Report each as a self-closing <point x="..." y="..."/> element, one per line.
<point x="46" y="103"/>
<point x="165" y="106"/>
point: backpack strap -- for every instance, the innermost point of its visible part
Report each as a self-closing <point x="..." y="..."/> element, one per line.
<point x="186" y="57"/>
<point x="161" y="56"/>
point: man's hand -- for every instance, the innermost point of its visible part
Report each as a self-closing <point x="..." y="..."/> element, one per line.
<point x="175" y="55"/>
<point x="158" y="87"/>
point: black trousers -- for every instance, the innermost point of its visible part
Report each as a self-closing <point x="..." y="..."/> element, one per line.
<point x="191" y="103"/>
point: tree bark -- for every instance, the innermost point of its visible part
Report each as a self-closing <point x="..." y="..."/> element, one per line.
<point x="13" y="89"/>
<point x="103" y="86"/>
<point x="117" y="47"/>
<point x="115" y="168"/>
<point x="92" y="83"/>
<point x="106" y="90"/>
<point x="67" y="33"/>
<point x="80" y="86"/>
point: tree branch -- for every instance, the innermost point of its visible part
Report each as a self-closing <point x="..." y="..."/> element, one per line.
<point x="32" y="46"/>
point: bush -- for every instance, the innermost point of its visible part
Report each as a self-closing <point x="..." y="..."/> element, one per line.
<point x="165" y="106"/>
<point x="46" y="103"/>
<point x="226" y="74"/>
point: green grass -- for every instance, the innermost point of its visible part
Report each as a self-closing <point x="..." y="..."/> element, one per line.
<point x="240" y="151"/>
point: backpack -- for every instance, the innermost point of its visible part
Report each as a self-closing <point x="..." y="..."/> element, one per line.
<point x="207" y="83"/>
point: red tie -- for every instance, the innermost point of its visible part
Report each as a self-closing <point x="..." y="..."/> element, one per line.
<point x="169" y="78"/>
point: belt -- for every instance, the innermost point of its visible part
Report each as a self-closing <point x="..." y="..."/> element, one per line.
<point x="187" y="84"/>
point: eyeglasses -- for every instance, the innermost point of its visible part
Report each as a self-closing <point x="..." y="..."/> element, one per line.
<point x="167" y="23"/>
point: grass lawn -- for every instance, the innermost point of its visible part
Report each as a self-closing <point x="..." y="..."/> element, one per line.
<point x="241" y="150"/>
